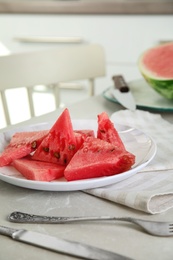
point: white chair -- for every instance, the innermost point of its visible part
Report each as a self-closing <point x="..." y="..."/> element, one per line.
<point x="50" y="67"/>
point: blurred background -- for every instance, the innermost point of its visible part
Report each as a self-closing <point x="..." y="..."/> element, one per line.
<point x="125" y="28"/>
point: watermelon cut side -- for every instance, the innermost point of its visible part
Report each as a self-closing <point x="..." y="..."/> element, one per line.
<point x="156" y="66"/>
<point x="85" y="133"/>
<point x="21" y="144"/>
<point x="107" y="132"/>
<point x="59" y="145"/>
<point x="98" y="158"/>
<point x="81" y="136"/>
<point x="34" y="138"/>
<point x="38" y="171"/>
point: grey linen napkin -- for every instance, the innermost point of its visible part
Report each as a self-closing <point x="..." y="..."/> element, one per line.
<point x="150" y="190"/>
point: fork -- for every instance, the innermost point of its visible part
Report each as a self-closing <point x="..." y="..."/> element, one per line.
<point x="152" y="227"/>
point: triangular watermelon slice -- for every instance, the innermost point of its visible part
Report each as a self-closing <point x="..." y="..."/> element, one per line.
<point x="98" y="158"/>
<point x="21" y="144"/>
<point x="33" y="137"/>
<point x="59" y="145"/>
<point x="107" y="132"/>
<point x="38" y="171"/>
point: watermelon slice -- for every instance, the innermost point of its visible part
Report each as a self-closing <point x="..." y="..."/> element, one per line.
<point x="38" y="171"/>
<point x="107" y="132"/>
<point x="156" y="66"/>
<point x="33" y="137"/>
<point x="98" y="158"/>
<point x="59" y="145"/>
<point x="21" y="144"/>
<point x="81" y="136"/>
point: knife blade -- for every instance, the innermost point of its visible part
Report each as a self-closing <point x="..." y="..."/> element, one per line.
<point x="122" y="93"/>
<point x="55" y="244"/>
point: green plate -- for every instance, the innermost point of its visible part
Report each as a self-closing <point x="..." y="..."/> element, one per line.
<point x="146" y="98"/>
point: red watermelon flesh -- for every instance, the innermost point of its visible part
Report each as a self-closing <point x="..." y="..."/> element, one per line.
<point x="107" y="132"/>
<point x="98" y="158"/>
<point x="59" y="145"/>
<point x="85" y="132"/>
<point x="159" y="61"/>
<point x="81" y="136"/>
<point x="21" y="144"/>
<point x="38" y="171"/>
<point x="34" y="138"/>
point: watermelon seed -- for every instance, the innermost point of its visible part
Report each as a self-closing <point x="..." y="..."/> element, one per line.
<point x="46" y="149"/>
<point x="65" y="160"/>
<point x="34" y="144"/>
<point x="57" y="155"/>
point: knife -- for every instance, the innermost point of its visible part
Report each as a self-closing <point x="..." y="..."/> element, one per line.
<point x="122" y="93"/>
<point x="76" y="249"/>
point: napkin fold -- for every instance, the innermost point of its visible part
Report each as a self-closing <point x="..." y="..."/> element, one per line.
<point x="150" y="190"/>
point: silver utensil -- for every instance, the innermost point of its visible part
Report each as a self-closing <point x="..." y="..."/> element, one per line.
<point x="60" y="245"/>
<point x="122" y="93"/>
<point x="151" y="227"/>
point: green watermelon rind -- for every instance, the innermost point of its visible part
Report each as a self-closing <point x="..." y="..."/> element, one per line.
<point x="163" y="87"/>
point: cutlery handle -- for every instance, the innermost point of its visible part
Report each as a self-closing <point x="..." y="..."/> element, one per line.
<point x="20" y="217"/>
<point x="120" y="83"/>
<point x="7" y="231"/>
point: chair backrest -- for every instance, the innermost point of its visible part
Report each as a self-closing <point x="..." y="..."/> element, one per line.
<point x="50" y="67"/>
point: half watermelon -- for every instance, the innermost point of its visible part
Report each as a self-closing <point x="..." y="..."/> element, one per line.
<point x="156" y="66"/>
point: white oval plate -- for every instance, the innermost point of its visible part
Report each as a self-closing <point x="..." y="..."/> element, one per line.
<point x="136" y="142"/>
